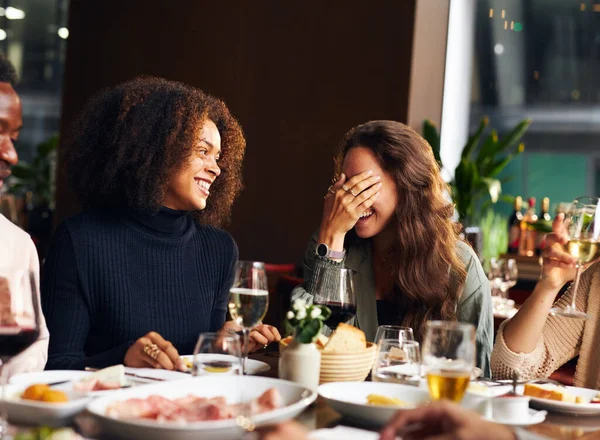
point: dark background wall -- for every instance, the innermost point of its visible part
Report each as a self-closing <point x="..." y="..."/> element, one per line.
<point x="297" y="75"/>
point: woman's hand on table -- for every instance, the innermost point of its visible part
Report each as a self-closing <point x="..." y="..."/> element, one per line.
<point x="260" y="336"/>
<point x="443" y="421"/>
<point x="153" y="351"/>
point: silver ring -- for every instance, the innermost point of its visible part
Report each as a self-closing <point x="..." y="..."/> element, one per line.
<point x="352" y="192"/>
<point x="330" y="189"/>
<point x="345" y="188"/>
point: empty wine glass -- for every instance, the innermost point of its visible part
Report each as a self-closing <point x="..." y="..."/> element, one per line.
<point x="583" y="226"/>
<point x="334" y="288"/>
<point x="248" y="299"/>
<point x="19" y="321"/>
<point x="398" y="362"/>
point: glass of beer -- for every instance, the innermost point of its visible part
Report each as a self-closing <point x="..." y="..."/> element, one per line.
<point x="448" y="358"/>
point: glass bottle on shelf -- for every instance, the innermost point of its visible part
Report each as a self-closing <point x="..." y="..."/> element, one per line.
<point x="528" y="233"/>
<point x="547" y="220"/>
<point x="514" y="226"/>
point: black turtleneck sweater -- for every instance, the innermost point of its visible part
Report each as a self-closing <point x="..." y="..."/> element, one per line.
<point x="109" y="279"/>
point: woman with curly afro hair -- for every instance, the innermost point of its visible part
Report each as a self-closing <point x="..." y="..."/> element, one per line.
<point x="144" y="270"/>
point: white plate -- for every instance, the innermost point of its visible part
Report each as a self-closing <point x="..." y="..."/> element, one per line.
<point x="253" y="367"/>
<point x="565" y="407"/>
<point x="533" y="418"/>
<point x="40" y="413"/>
<point x="53" y="376"/>
<point x="295" y="398"/>
<point x="350" y="400"/>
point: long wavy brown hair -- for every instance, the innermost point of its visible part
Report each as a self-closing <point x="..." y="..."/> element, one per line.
<point x="428" y="273"/>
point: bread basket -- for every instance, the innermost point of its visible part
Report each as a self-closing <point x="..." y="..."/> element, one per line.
<point x="343" y="367"/>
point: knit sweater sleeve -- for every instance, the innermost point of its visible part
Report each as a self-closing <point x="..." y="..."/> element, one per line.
<point x="219" y="311"/>
<point x="560" y="341"/>
<point x="67" y="309"/>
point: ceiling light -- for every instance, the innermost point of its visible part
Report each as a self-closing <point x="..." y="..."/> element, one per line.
<point x="14" y="13"/>
<point x="2" y="34"/>
<point x="63" y="33"/>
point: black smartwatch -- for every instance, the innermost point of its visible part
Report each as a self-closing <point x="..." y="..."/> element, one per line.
<point x="324" y="251"/>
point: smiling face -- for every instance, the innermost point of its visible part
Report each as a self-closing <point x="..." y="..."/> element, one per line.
<point x="189" y="188"/>
<point x="10" y="125"/>
<point x="380" y="215"/>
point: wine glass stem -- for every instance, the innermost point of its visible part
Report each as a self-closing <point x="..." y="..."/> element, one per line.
<point x="575" y="286"/>
<point x="3" y="414"/>
<point x="245" y="347"/>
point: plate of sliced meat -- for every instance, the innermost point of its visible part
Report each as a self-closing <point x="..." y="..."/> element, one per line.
<point x="200" y="407"/>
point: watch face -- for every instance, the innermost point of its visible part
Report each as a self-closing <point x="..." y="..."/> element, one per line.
<point x="322" y="250"/>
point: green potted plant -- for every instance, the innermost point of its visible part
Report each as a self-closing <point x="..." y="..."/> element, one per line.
<point x="300" y="361"/>
<point x="475" y="185"/>
<point x="35" y="182"/>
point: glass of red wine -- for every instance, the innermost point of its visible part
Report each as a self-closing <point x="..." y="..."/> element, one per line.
<point x="334" y="288"/>
<point x="19" y="321"/>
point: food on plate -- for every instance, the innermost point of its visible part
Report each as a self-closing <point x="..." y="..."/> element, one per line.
<point x="54" y="396"/>
<point x="35" y="391"/>
<point x="189" y="408"/>
<point x="188" y="363"/>
<point x="111" y="378"/>
<point x="47" y="433"/>
<point x="596" y="399"/>
<point x="43" y="393"/>
<point x="346" y="339"/>
<point x="552" y="392"/>
<point x="378" y="399"/>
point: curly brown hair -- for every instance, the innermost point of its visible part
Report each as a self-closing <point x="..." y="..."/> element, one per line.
<point x="426" y="238"/>
<point x="130" y="138"/>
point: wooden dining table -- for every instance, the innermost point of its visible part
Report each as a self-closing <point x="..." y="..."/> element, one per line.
<point x="320" y="415"/>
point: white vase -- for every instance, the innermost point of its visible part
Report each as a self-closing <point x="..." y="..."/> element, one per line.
<point x="301" y="363"/>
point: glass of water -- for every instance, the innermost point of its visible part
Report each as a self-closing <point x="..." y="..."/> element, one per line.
<point x="398" y="362"/>
<point x="217" y="354"/>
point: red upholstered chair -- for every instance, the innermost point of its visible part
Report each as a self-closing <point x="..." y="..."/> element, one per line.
<point x="278" y="303"/>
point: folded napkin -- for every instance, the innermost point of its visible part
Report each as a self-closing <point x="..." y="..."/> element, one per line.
<point x="343" y="433"/>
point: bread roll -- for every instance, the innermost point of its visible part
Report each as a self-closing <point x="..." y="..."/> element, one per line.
<point x="346" y="339"/>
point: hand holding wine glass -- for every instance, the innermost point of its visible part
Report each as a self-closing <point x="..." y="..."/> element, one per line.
<point x="579" y="237"/>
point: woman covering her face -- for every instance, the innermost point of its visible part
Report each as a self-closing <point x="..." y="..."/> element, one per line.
<point x="387" y="217"/>
<point x="144" y="270"/>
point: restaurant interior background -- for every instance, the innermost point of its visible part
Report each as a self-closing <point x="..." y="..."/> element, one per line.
<point x="299" y="75"/>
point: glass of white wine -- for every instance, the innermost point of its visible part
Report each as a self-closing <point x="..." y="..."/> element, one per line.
<point x="248" y="299"/>
<point x="448" y="358"/>
<point x="583" y="226"/>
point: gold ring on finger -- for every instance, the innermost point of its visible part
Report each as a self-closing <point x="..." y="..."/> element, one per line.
<point x="152" y="350"/>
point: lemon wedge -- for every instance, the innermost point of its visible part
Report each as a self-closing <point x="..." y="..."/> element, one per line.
<point x="378" y="399"/>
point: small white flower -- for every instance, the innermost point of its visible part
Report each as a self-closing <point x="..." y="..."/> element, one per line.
<point x="290" y="315"/>
<point x="299" y="304"/>
<point x="314" y="313"/>
<point x="301" y="314"/>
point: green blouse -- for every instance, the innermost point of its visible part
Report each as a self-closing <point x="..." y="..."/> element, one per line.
<point x="475" y="304"/>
